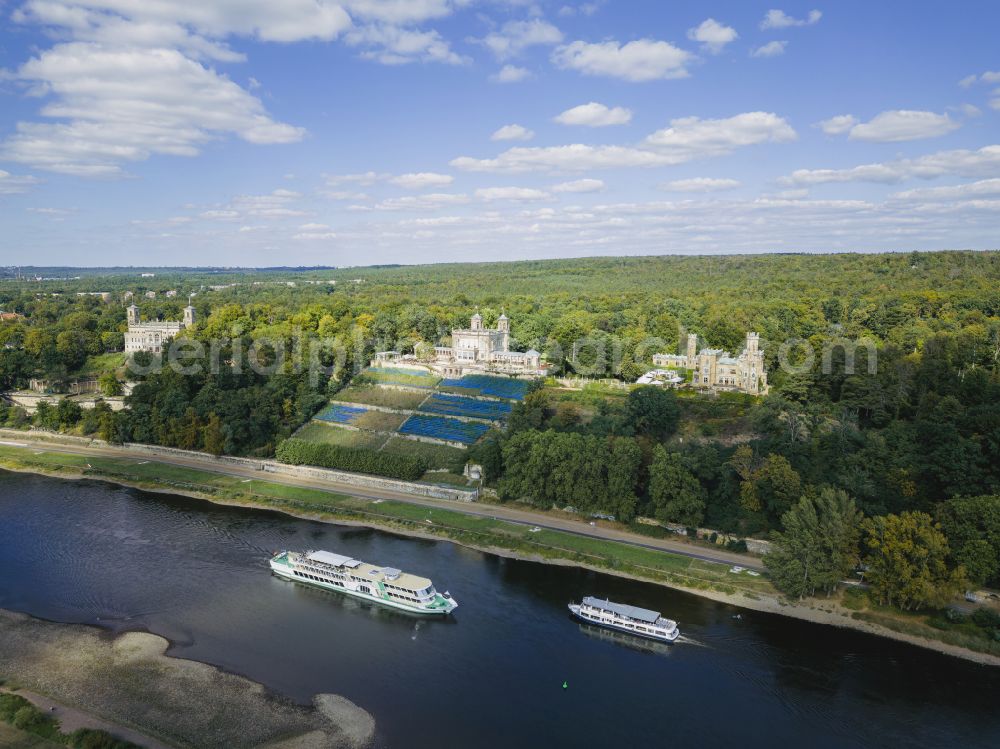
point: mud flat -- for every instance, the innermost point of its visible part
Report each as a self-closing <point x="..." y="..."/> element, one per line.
<point x="127" y="679"/>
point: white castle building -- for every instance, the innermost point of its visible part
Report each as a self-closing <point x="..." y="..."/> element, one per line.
<point x="716" y="369"/>
<point x="479" y="349"/>
<point x="153" y="336"/>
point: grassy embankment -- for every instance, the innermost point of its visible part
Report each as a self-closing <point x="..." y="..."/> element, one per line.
<point x="478" y="532"/>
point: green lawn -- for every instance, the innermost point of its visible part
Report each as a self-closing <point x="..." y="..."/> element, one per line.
<point x="400" y="376"/>
<point x="98" y="364"/>
<point x="380" y="421"/>
<point x="379" y="396"/>
<point x="318" y="431"/>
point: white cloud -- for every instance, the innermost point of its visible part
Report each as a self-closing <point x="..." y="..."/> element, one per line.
<point x="11" y="184"/>
<point x="120" y="105"/>
<point x="513" y="132"/>
<point x="990" y="76"/>
<point x="510" y="74"/>
<point x="693" y="137"/>
<point x="700" y="184"/>
<point x="778" y="19"/>
<point x="641" y="60"/>
<point x="393" y="45"/>
<point x="490" y="194"/>
<point x="969" y="110"/>
<point x="516" y="36"/>
<point x="595" y="115"/>
<point x="838" y="125"/>
<point x="903" y="124"/>
<point x="771" y="49"/>
<point x="428" y="202"/>
<point x="410" y="181"/>
<point x="287" y="21"/>
<point x="399" y="12"/>
<point x="981" y="189"/>
<point x="579" y="186"/>
<point x="686" y="139"/>
<point x="713" y="35"/>
<point x="421" y="180"/>
<point x="984" y="162"/>
<point x="365" y="179"/>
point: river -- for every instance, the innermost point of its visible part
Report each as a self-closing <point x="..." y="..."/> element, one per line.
<point x="491" y="675"/>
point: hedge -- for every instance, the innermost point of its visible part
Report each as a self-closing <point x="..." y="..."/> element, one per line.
<point x="358" y="459"/>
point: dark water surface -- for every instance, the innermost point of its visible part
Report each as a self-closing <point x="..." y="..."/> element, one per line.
<point x="492" y="675"/>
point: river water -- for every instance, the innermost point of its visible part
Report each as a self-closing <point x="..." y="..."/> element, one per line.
<point x="491" y="675"/>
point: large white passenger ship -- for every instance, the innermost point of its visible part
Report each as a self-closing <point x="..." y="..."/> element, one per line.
<point x="383" y="585"/>
<point x="625" y="618"/>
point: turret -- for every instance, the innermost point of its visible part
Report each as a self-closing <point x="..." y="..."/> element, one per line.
<point x="503" y="325"/>
<point x="188" y="314"/>
<point x="692" y="349"/>
<point x="477" y="321"/>
<point x="133" y="314"/>
<point x="753" y="343"/>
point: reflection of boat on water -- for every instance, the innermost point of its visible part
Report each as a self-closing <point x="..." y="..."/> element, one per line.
<point x="625" y="639"/>
<point x="624" y="618"/>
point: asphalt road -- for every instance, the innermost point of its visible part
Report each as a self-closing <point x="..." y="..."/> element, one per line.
<point x="579" y="527"/>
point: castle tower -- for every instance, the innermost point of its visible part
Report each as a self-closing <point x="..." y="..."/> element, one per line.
<point x="188" y="314"/>
<point x="692" y="349"/>
<point x="503" y="325"/>
<point x="133" y="314"/>
<point x="477" y="321"/>
<point x="753" y="344"/>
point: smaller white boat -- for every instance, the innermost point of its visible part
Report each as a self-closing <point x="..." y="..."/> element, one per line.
<point x="625" y="618"/>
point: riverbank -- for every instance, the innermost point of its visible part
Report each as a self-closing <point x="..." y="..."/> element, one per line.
<point x="128" y="681"/>
<point x="709" y="580"/>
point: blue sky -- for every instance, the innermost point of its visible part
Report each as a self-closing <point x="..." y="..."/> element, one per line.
<point x="348" y="132"/>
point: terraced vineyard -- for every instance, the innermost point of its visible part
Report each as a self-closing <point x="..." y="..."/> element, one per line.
<point x="478" y="384"/>
<point x="337" y="414"/>
<point x="442" y="428"/>
<point x="461" y="405"/>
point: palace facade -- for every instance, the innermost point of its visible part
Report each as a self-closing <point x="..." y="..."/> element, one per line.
<point x="716" y="369"/>
<point x="478" y="349"/>
<point x="153" y="336"/>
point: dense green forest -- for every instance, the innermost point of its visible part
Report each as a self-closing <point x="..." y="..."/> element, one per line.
<point x="874" y="458"/>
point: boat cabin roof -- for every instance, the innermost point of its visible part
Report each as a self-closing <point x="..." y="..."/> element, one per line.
<point x="623" y="609"/>
<point x="337" y="560"/>
<point x="387" y="575"/>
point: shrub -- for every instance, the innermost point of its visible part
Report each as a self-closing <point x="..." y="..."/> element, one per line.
<point x="10" y="704"/>
<point x="986" y="619"/>
<point x="360" y="460"/>
<point x="30" y="718"/>
<point x="736" y="544"/>
<point x="88" y="738"/>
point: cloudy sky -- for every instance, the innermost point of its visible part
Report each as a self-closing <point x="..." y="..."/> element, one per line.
<point x="346" y="132"/>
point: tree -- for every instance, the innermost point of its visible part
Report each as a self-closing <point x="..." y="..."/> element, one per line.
<point x="109" y="384"/>
<point x="818" y="546"/>
<point x="907" y="560"/>
<point x="214" y="438"/>
<point x="972" y="525"/>
<point x="653" y="411"/>
<point x="777" y="484"/>
<point x="746" y="464"/>
<point x="676" y="494"/>
<point x="623" y="476"/>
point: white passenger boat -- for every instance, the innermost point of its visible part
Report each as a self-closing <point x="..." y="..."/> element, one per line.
<point x="386" y="586"/>
<point x="625" y="618"/>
